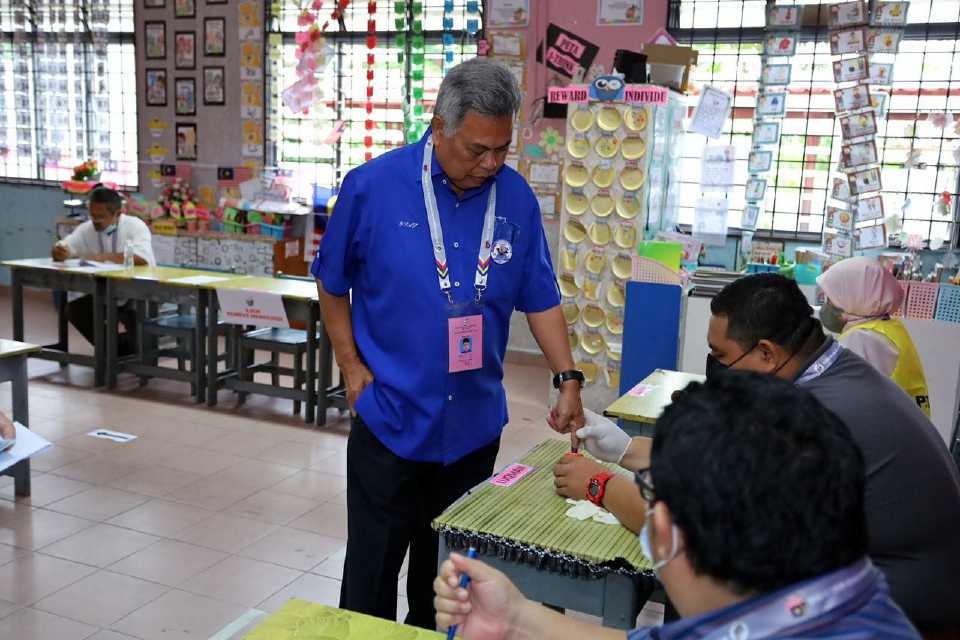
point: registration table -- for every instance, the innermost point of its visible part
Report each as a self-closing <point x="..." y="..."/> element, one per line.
<point x="302" y="306"/>
<point x="521" y="530"/>
<point x="59" y="277"/>
<point x="191" y="287"/>
<point x="639" y="408"/>
<point x="13" y="369"/>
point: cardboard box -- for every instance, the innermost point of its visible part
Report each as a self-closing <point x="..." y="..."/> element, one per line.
<point x="670" y="66"/>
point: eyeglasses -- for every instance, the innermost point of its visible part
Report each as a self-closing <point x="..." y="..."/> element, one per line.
<point x="644" y="480"/>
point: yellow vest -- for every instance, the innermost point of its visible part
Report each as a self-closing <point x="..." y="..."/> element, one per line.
<point x="909" y="371"/>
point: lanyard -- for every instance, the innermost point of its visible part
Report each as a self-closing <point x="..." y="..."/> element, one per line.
<point x="821" y="364"/>
<point x="436" y="231"/>
<point x="115" y="233"/>
<point x="797" y="608"/>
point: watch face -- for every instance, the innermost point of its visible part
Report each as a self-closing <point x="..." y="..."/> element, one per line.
<point x="594" y="488"/>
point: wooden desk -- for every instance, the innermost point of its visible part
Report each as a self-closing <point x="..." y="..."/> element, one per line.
<point x="522" y="531"/>
<point x="163" y="284"/>
<point x="638" y="413"/>
<point x="44" y="273"/>
<point x="301" y="304"/>
<point x="13" y="369"/>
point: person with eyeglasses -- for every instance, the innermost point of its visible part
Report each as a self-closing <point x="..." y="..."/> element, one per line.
<point x="763" y="323"/>
<point x="105" y="237"/>
<point x="755" y="525"/>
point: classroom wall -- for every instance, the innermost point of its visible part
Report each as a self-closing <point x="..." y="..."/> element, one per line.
<point x="28" y="215"/>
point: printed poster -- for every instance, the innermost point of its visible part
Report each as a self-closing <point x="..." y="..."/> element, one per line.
<point x="619" y="13"/>
<point x="508" y="13"/>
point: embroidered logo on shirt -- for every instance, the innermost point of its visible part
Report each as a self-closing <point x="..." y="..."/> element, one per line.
<point x="406" y="224"/>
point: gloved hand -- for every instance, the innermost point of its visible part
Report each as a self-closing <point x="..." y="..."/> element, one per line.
<point x="603" y="438"/>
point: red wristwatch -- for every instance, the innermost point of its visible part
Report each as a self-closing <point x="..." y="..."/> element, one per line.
<point x="597" y="487"/>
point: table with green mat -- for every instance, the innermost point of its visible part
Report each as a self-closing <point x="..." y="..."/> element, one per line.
<point x="299" y="620"/>
<point x="639" y="408"/>
<point x="564" y="563"/>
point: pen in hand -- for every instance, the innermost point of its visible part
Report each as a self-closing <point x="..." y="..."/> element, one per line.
<point x="464" y="583"/>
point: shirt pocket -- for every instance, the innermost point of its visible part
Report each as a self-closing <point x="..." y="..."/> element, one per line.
<point x="507" y="260"/>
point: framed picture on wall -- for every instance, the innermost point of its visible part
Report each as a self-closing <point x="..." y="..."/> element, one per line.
<point x="186" y="91"/>
<point x="213" y="85"/>
<point x="154" y="4"/>
<point x="185" y="50"/>
<point x="184" y="8"/>
<point x="155" y="37"/>
<point x="186" y="141"/>
<point x="214" y="36"/>
<point x="156" y="87"/>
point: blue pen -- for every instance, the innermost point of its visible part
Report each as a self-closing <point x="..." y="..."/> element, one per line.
<point x="464" y="582"/>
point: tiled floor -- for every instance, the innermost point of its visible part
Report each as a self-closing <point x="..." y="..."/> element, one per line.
<point x="210" y="512"/>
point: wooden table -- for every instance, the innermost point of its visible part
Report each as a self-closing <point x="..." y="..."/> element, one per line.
<point x="522" y="531"/>
<point x="44" y="273"/>
<point x="163" y="284"/>
<point x="13" y="369"/>
<point x="302" y="305"/>
<point x="639" y="408"/>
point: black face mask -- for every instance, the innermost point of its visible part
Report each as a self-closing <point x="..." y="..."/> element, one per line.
<point x="715" y="367"/>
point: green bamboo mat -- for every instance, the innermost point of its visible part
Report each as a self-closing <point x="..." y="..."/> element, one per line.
<point x="531" y="514"/>
<point x="302" y="620"/>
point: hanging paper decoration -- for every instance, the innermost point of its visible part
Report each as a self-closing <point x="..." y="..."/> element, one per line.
<point x="310" y="55"/>
<point x="448" y="40"/>
<point x="473" y="16"/>
<point x="416" y="126"/>
<point x="371" y="59"/>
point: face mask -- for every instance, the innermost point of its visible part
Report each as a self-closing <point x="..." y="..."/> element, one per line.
<point x="647" y="548"/>
<point x="110" y="229"/>
<point x="832" y="317"/>
<point x="714" y="366"/>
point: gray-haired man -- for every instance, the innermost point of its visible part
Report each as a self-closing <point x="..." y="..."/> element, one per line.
<point x="438" y="243"/>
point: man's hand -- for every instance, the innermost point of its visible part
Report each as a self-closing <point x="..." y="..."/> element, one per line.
<point x="603" y="438"/>
<point x="356" y="377"/>
<point x="485" y="611"/>
<point x="60" y="252"/>
<point x="567" y="413"/>
<point x="7" y="430"/>
<point x="571" y="475"/>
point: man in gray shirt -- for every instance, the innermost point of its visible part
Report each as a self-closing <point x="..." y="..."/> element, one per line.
<point x="764" y="323"/>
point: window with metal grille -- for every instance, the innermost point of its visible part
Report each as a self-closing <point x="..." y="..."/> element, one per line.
<point x="926" y="85"/>
<point x="308" y="145"/>
<point x="67" y="89"/>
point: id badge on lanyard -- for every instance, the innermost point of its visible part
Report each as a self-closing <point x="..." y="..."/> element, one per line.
<point x="464" y="320"/>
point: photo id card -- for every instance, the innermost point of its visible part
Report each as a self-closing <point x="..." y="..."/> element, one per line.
<point x="465" y="335"/>
<point x="851" y="69"/>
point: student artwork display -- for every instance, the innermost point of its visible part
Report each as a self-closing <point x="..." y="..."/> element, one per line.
<point x="186" y="94"/>
<point x="186" y="141"/>
<point x="155" y="39"/>
<point x="214" y="90"/>
<point x="156" y="90"/>
<point x="602" y="219"/>
<point x="185" y="50"/>
<point x="214" y="36"/>
<point x="860" y="37"/>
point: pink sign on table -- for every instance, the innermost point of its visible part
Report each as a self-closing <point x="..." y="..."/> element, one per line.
<point x="511" y="475"/>
<point x="641" y="390"/>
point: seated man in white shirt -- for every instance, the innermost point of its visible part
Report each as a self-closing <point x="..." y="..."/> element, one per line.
<point x="104" y="238"/>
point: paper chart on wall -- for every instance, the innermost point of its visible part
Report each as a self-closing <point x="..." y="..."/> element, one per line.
<point x="620" y="12"/>
<point x="508" y="13"/>
<point x="711" y="112"/>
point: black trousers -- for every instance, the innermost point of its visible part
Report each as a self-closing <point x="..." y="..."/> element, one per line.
<point x="80" y="314"/>
<point x="390" y="504"/>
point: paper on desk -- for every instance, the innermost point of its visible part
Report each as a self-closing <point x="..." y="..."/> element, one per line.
<point x="28" y="444"/>
<point x="198" y="280"/>
<point x="586" y="510"/>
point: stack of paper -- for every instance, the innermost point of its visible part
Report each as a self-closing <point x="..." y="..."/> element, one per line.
<point x="26" y="445"/>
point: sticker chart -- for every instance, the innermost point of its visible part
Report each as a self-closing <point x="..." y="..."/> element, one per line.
<point x="527" y="523"/>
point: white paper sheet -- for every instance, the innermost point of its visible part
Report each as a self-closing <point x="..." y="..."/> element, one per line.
<point x="198" y="280"/>
<point x="711" y="112"/>
<point x="28" y="444"/>
<point x="258" y="308"/>
<point x="716" y="169"/>
<point x="710" y="221"/>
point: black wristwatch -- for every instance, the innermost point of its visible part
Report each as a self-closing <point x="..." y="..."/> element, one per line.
<point x="564" y="376"/>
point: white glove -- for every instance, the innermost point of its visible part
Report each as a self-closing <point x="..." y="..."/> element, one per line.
<point x="603" y="438"/>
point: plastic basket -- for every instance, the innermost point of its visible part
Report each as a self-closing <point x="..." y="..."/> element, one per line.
<point x="253" y="229"/>
<point x="233" y="227"/>
<point x="948" y="303"/>
<point x="905" y="285"/>
<point x="276" y="231"/>
<point x="922" y="300"/>
<point x="647" y="270"/>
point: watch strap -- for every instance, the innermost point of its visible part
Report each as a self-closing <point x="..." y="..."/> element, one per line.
<point x="599" y="481"/>
<point x="565" y="376"/>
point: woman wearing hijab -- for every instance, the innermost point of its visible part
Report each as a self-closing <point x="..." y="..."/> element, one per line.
<point x="861" y="295"/>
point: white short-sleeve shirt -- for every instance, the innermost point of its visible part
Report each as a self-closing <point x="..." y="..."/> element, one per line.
<point x="86" y="241"/>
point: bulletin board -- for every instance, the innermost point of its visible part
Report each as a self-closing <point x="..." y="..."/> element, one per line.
<point x="222" y="127"/>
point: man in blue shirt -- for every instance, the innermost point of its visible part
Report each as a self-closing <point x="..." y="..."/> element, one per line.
<point x="436" y="244"/>
<point x="756" y="527"/>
